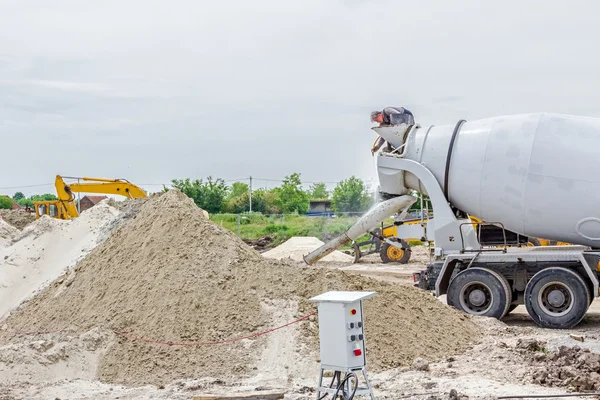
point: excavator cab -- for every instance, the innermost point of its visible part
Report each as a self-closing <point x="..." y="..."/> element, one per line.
<point x="51" y="208"/>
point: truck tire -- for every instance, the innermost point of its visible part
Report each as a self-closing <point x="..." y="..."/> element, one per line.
<point x="389" y="253"/>
<point x="480" y="291"/>
<point x="557" y="298"/>
<point x="533" y="242"/>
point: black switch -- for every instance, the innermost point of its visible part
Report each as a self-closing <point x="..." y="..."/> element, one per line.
<point x="360" y="337"/>
<point x="353" y="337"/>
<point x="351" y="325"/>
<point x="359" y="324"/>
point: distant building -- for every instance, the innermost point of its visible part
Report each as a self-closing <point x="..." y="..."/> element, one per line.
<point x="15" y="206"/>
<point x="88" y="202"/>
<point x="319" y="207"/>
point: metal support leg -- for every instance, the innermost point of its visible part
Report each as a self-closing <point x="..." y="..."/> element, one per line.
<point x="320" y="383"/>
<point x="368" y="384"/>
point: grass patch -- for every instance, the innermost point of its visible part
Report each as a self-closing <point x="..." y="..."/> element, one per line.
<point x="281" y="228"/>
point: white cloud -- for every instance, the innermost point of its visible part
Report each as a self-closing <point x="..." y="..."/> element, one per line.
<point x="197" y="88"/>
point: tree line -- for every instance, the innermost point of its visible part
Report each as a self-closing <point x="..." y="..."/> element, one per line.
<point x="215" y="196"/>
<point x="23" y="201"/>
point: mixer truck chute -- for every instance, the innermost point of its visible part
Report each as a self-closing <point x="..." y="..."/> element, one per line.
<point x="521" y="174"/>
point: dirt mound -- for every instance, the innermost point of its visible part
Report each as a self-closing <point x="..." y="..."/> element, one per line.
<point x="572" y="367"/>
<point x="7" y="232"/>
<point x="261" y="245"/>
<point x="171" y="274"/>
<point x="46" y="249"/>
<point x="17" y="218"/>
<point x="297" y="247"/>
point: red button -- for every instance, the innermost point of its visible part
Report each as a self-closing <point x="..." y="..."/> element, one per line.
<point x="353" y="311"/>
<point x="357" y="352"/>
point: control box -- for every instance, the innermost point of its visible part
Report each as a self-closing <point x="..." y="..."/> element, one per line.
<point x="341" y="329"/>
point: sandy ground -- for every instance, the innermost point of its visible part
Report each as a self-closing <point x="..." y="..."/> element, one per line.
<point x="492" y="367"/>
<point x="46" y="249"/>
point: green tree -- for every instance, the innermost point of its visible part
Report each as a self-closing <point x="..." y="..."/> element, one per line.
<point x="351" y="195"/>
<point x="238" y="189"/>
<point x="18" y="196"/>
<point x="24" y="202"/>
<point x="209" y="195"/>
<point x="273" y="203"/>
<point x="318" y="191"/>
<point x="6" y="203"/>
<point x="291" y="196"/>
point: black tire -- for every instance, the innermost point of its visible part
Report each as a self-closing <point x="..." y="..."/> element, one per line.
<point x="557" y="298"/>
<point x="533" y="242"/>
<point x="480" y="291"/>
<point x="389" y="253"/>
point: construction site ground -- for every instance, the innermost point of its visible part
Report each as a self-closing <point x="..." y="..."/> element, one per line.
<point x="86" y="359"/>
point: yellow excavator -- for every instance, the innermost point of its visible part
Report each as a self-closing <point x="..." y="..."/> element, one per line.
<point x="66" y="208"/>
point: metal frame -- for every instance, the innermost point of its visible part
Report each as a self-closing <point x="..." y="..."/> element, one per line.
<point x="481" y="249"/>
<point x="576" y="253"/>
<point x="446" y="226"/>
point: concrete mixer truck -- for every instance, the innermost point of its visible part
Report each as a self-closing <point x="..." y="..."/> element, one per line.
<point x="537" y="175"/>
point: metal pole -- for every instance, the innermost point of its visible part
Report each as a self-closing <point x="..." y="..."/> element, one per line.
<point x="250" y="193"/>
<point x="78" y="200"/>
<point x="239" y="224"/>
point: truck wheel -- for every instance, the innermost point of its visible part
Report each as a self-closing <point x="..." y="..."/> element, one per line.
<point x="533" y="242"/>
<point x="480" y="291"/>
<point x="557" y="298"/>
<point x="389" y="253"/>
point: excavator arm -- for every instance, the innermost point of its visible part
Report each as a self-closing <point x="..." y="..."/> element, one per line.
<point x="66" y="198"/>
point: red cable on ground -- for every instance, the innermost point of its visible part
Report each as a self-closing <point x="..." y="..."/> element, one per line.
<point x="129" y="336"/>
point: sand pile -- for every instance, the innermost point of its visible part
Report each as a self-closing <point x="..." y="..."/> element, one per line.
<point x="297" y="247"/>
<point x="17" y="218"/>
<point x="7" y="232"/>
<point x="46" y="249"/>
<point x="171" y="274"/>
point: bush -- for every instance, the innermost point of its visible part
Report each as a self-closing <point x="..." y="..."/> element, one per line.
<point x="275" y="228"/>
<point x="6" y="203"/>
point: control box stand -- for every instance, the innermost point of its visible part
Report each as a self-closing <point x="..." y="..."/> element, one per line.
<point x="342" y="342"/>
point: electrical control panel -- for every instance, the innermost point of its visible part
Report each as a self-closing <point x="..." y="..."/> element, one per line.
<point x="341" y="329"/>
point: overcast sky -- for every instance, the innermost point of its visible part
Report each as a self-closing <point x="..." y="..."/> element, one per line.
<point x="154" y="90"/>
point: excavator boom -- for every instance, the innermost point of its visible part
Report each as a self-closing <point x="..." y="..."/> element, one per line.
<point x="65" y="207"/>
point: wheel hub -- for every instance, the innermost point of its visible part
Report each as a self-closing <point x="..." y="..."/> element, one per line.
<point x="395" y="253"/>
<point x="556" y="298"/>
<point x="477" y="297"/>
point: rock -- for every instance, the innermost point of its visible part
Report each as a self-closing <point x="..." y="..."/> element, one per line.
<point x="576" y="337"/>
<point x="429" y="385"/>
<point x="539" y="357"/>
<point x="568" y="372"/>
<point x="420" y="364"/>
<point x="540" y="377"/>
<point x="530" y="344"/>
